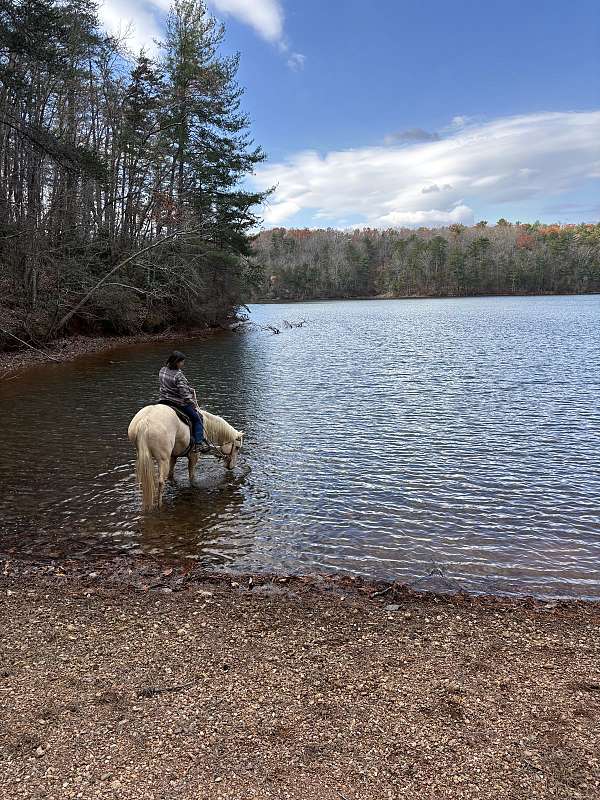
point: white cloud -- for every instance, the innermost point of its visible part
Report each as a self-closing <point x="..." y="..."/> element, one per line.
<point x="296" y="61"/>
<point x="132" y="21"/>
<point x="460" y="121"/>
<point x="433" y="218"/>
<point x="136" y="20"/>
<point x="267" y="19"/>
<point x="503" y="161"/>
<point x="265" y="16"/>
<point x="276" y="213"/>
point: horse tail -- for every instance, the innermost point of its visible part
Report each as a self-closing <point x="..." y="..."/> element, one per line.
<point x="144" y="468"/>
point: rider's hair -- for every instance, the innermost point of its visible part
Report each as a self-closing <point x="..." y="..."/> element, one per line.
<point x="174" y="359"/>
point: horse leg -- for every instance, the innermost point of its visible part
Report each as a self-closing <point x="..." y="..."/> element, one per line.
<point x="163" y="473"/>
<point x="172" y="468"/>
<point x="192" y="461"/>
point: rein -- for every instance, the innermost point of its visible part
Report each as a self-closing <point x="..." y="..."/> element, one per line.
<point x="214" y="450"/>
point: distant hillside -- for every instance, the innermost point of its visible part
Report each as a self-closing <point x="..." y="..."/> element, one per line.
<point x="442" y="262"/>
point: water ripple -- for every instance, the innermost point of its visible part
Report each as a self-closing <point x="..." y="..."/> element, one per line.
<point x="382" y="438"/>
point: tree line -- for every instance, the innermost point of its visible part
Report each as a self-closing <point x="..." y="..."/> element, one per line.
<point x="103" y="156"/>
<point x="455" y="261"/>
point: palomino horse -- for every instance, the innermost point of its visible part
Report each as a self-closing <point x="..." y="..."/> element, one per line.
<point x="159" y="434"/>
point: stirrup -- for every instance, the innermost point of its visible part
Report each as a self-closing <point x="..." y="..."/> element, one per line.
<point x="202" y="447"/>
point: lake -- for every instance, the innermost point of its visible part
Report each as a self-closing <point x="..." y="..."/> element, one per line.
<point x="447" y="443"/>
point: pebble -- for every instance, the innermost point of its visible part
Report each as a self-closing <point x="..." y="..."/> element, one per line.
<point x="392" y="607"/>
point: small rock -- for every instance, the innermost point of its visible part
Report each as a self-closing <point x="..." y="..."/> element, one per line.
<point x="40" y="752"/>
<point x="392" y="607"/>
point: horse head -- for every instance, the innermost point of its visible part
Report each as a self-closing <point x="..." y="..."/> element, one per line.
<point x="231" y="449"/>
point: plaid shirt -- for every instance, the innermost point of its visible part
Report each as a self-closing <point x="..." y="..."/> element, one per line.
<point x="174" y="387"/>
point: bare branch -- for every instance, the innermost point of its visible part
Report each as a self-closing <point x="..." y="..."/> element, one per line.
<point x="22" y="341"/>
<point x="115" y="269"/>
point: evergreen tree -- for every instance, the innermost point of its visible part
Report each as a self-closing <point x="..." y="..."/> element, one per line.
<point x="101" y="157"/>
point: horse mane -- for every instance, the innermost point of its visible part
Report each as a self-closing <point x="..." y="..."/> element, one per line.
<point x="217" y="430"/>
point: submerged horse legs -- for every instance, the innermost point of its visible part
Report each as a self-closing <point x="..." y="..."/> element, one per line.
<point x="164" y="467"/>
<point x="192" y="461"/>
<point x="166" y="470"/>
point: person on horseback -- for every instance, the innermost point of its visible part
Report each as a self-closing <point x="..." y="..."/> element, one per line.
<point x="175" y="390"/>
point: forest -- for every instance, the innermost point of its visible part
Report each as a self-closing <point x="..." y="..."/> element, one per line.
<point x="457" y="261"/>
<point x="121" y="199"/>
<point x="124" y="206"/>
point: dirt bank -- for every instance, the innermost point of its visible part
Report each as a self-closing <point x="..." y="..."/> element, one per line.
<point x="71" y="347"/>
<point x="129" y="679"/>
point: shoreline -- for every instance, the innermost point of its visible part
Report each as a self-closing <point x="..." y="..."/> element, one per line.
<point x="70" y="348"/>
<point x="390" y="296"/>
<point x="133" y="678"/>
<point x="123" y="572"/>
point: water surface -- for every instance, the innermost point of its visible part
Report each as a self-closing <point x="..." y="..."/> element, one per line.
<point x="387" y="438"/>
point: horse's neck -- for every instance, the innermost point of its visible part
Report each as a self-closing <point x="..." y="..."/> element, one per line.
<point x="217" y="429"/>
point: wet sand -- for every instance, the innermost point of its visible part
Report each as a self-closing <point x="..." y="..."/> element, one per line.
<point x="138" y="679"/>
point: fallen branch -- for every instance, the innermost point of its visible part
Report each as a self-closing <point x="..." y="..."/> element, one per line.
<point x="37" y="349"/>
<point x="381" y="593"/>
<point x="112" y="271"/>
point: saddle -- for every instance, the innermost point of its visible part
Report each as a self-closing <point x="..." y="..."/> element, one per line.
<point x="187" y="421"/>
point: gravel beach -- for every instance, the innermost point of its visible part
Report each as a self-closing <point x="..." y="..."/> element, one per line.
<point x="134" y="679"/>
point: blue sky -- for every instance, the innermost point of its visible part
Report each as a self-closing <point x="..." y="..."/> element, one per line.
<point x="405" y="113"/>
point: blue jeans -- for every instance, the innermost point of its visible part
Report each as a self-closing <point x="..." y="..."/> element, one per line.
<point x="198" y="425"/>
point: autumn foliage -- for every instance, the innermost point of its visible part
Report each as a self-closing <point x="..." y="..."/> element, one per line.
<point x="483" y="259"/>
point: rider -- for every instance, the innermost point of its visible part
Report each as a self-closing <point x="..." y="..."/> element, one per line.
<point x="175" y="390"/>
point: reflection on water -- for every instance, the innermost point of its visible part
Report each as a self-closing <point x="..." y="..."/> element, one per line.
<point x="383" y="438"/>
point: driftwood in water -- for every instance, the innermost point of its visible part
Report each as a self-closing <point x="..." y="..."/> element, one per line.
<point x="287" y="325"/>
<point x="245" y="324"/>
